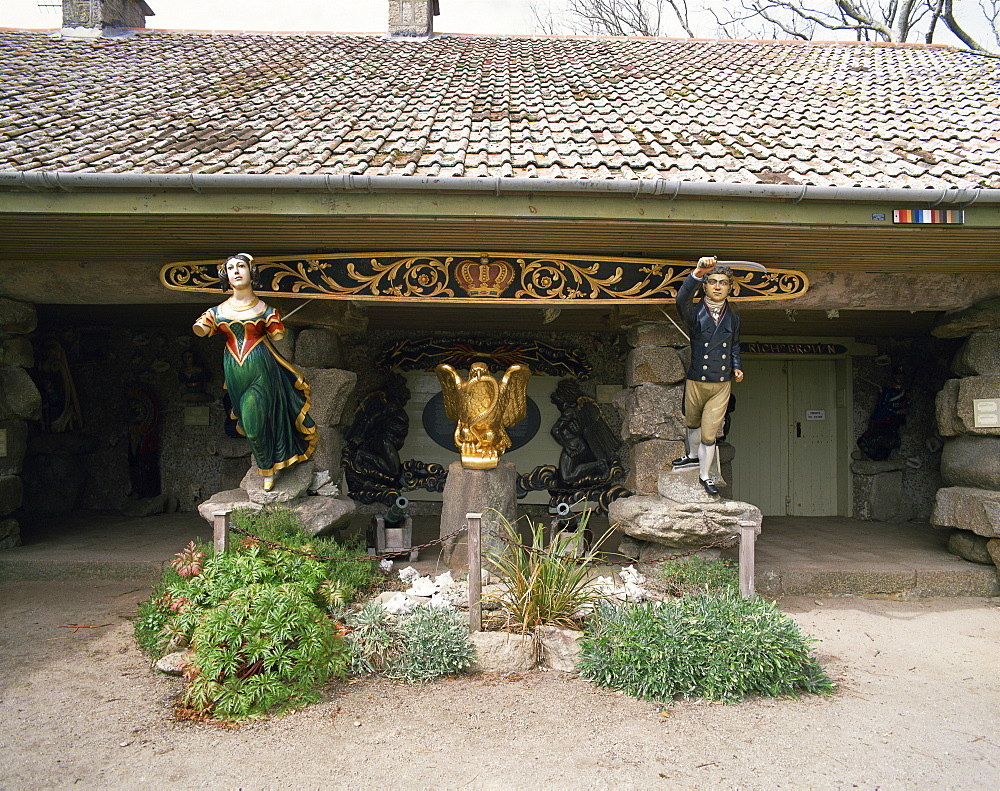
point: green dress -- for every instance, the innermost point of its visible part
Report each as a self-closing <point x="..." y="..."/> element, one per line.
<point x="270" y="396"/>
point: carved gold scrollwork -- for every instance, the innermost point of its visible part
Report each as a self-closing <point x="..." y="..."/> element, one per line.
<point x="476" y="277"/>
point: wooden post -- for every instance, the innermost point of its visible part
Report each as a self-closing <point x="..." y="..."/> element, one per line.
<point x="748" y="537"/>
<point x="220" y="529"/>
<point x="473" y="525"/>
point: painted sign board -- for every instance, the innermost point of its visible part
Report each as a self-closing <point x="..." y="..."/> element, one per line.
<point x="986" y="412"/>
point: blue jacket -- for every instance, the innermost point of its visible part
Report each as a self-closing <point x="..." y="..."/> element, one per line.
<point x="715" y="348"/>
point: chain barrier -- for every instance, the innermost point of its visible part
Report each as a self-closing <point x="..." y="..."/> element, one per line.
<point x="318" y="556"/>
<point x="723" y="543"/>
<point x="726" y="542"/>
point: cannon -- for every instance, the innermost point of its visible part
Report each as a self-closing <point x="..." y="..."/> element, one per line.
<point x="391" y="533"/>
<point x="566" y="523"/>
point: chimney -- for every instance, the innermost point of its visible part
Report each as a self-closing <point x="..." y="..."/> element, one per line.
<point x="413" y="18"/>
<point x="93" y="18"/>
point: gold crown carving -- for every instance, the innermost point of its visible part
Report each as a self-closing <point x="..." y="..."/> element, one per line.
<point x="484" y="278"/>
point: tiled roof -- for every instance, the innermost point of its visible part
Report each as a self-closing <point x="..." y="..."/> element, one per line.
<point x="749" y="112"/>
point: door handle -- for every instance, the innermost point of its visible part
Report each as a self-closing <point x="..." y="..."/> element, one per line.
<point x="798" y="429"/>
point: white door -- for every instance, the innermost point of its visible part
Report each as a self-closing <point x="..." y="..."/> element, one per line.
<point x="784" y="431"/>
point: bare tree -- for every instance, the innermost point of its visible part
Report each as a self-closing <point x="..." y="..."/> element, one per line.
<point x="612" y="17"/>
<point x="866" y="20"/>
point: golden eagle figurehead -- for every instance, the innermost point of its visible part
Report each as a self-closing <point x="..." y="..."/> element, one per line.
<point x="483" y="409"/>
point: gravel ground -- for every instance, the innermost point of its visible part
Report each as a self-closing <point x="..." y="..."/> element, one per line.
<point x="916" y="707"/>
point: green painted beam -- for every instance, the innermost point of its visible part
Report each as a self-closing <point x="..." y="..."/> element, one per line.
<point x="430" y="205"/>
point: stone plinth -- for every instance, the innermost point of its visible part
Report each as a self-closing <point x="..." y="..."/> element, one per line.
<point x="17" y="445"/>
<point x="652" y="411"/>
<point x="879" y="491"/>
<point x="655" y="334"/>
<point x="289" y="484"/>
<point x="676" y="524"/>
<point x="969" y="389"/>
<point x="683" y="486"/>
<point x="982" y="317"/>
<point x="946" y="409"/>
<point x="491" y="493"/>
<point x="970" y="546"/>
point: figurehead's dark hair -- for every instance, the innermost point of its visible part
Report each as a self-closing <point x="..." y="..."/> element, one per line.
<point x="722" y="269"/>
<point x="248" y="260"/>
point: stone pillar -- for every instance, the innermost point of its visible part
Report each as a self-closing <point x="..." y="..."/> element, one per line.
<point x="20" y="402"/>
<point x="650" y="404"/>
<point x="492" y="493"/>
<point x="969" y="503"/>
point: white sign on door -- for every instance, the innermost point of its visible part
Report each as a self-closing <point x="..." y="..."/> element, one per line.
<point x="815" y="414"/>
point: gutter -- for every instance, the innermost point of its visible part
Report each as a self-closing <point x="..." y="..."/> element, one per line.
<point x="67" y="181"/>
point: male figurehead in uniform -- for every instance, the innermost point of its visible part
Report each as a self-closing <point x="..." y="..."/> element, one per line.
<point x="714" y="327"/>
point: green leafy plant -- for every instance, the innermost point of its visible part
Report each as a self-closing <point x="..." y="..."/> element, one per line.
<point x="719" y="647"/>
<point x="236" y="673"/>
<point x="543" y="585"/>
<point x="696" y="575"/>
<point x="267" y="647"/>
<point x="422" y="644"/>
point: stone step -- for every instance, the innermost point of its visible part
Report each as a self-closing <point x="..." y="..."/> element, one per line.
<point x="970" y="580"/>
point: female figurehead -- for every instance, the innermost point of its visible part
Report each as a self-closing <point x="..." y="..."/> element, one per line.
<point x="269" y="395"/>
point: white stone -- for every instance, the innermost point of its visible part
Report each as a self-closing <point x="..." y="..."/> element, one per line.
<point x="328" y="490"/>
<point x="444" y="580"/>
<point x="320" y="477"/>
<point x="409" y="575"/>
<point x="174" y="664"/>
<point x="422" y="586"/>
<point x="629" y="574"/>
<point x="400" y="604"/>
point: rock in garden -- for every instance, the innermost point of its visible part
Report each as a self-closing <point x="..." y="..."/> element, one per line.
<point x="175" y="663"/>
<point x="322" y="515"/>
<point x="225" y="501"/>
<point x="502" y="653"/>
<point x="558" y="649"/>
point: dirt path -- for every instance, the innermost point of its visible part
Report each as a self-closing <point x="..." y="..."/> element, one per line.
<point x="918" y="706"/>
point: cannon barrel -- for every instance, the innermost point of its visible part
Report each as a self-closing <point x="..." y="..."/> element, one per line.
<point x="397" y="510"/>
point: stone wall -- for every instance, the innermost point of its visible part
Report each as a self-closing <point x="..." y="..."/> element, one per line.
<point x="20" y="402"/>
<point x="968" y="503"/>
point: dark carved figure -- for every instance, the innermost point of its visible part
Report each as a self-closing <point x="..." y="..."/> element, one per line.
<point x="372" y="443"/>
<point x="888" y="417"/>
<point x="589" y="467"/>
<point x="589" y="446"/>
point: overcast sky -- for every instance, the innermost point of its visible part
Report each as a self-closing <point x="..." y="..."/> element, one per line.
<point x="360" y="16"/>
<point x="342" y="16"/>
